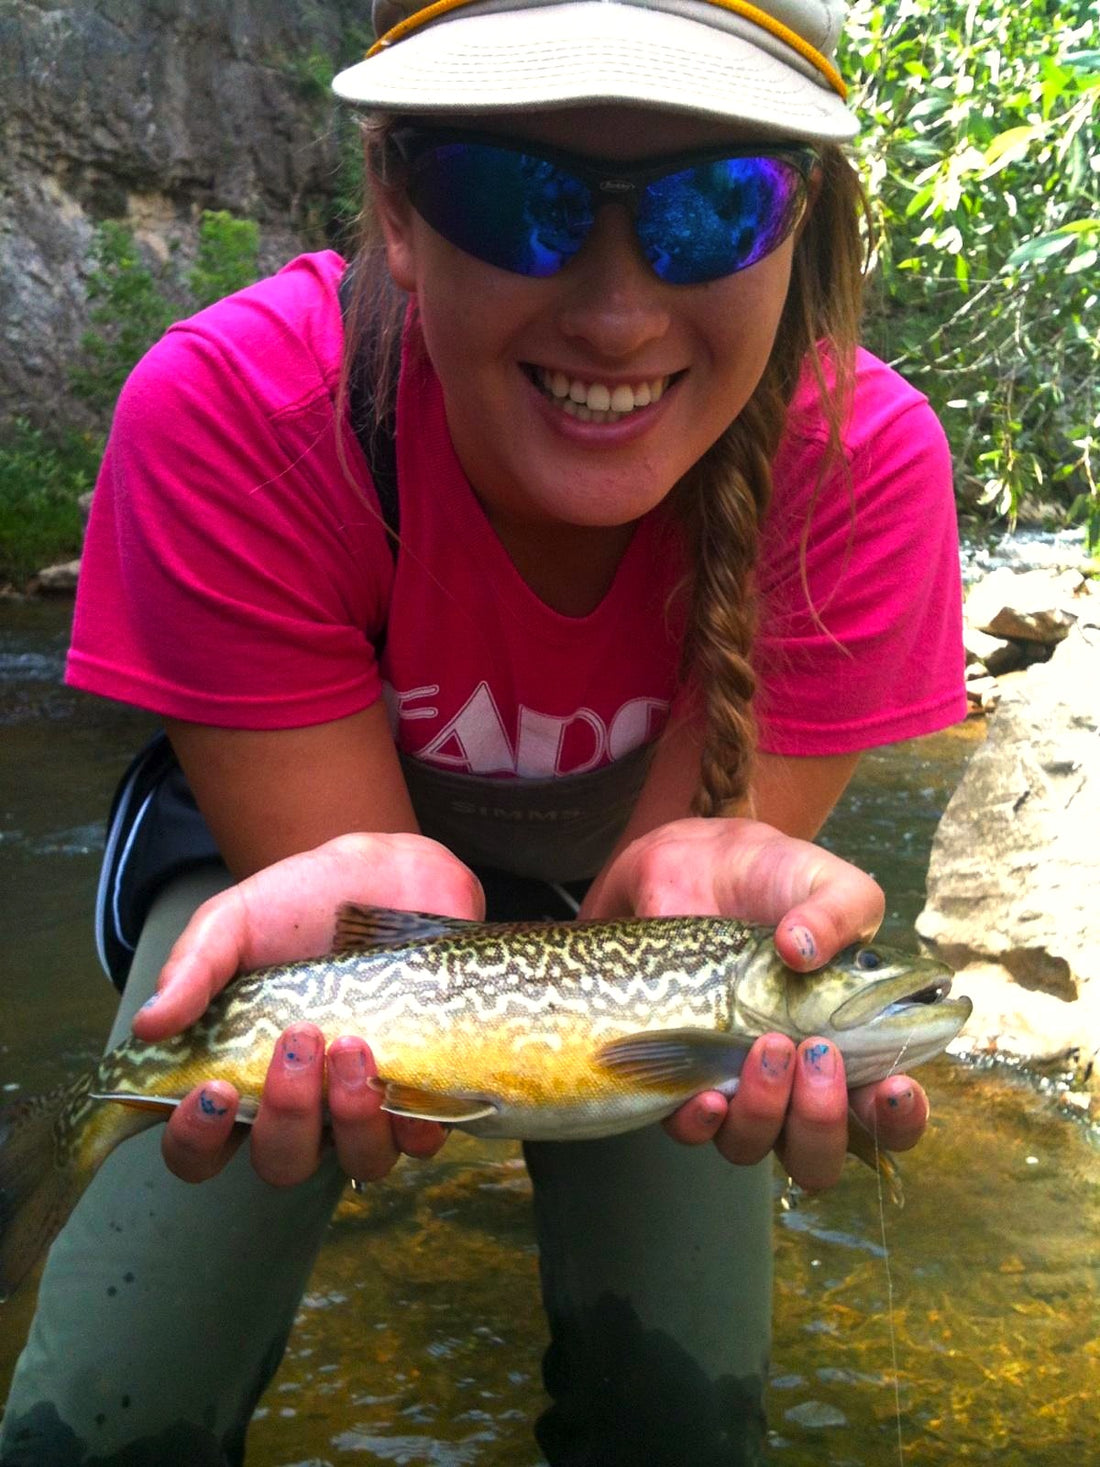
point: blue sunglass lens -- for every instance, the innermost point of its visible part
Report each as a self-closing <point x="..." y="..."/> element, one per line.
<point x="511" y="209"/>
<point x="712" y="220"/>
<point x="526" y="214"/>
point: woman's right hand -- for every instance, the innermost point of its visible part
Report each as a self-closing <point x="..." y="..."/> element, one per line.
<point x="280" y="914"/>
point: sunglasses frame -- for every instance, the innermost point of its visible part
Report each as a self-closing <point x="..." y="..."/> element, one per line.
<point x="608" y="181"/>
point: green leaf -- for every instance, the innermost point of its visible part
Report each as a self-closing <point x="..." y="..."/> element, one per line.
<point x="1084" y="261"/>
<point x="1042" y="247"/>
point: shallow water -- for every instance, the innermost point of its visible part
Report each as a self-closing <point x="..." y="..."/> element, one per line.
<point x="419" y="1340"/>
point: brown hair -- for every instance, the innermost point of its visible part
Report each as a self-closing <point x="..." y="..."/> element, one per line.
<point x="721" y="501"/>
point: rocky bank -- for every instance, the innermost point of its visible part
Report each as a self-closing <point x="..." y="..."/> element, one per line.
<point x="1015" y="864"/>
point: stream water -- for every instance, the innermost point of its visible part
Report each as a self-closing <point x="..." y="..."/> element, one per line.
<point x="419" y="1340"/>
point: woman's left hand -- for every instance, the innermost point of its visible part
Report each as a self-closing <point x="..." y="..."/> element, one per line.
<point x="794" y="1099"/>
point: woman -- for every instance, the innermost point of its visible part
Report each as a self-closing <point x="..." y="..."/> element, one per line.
<point x="670" y="555"/>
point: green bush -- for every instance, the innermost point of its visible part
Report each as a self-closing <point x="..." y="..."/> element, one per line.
<point x="980" y="154"/>
<point x="41" y="480"/>
<point x="129" y="311"/>
<point x="228" y="258"/>
<point x="42" y="475"/>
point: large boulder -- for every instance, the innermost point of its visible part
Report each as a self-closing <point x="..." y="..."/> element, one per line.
<point x="150" y="111"/>
<point x="1015" y="865"/>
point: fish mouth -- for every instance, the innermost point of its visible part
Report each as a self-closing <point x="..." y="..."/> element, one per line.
<point x="892" y="1028"/>
<point x="931" y="993"/>
<point x="893" y="997"/>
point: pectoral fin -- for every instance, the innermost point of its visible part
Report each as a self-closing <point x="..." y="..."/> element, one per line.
<point x="247" y="1108"/>
<point x="432" y="1105"/>
<point x="161" y="1103"/>
<point x="863" y="1146"/>
<point x="689" y="1060"/>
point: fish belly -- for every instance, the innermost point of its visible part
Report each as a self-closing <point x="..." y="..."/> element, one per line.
<point x="571" y="1122"/>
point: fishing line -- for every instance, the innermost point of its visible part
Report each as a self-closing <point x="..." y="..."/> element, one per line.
<point x="889" y="1281"/>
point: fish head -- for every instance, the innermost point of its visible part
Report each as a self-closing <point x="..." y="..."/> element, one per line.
<point x="886" y="1010"/>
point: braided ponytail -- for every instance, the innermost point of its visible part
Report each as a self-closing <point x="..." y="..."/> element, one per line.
<point x="722" y="501"/>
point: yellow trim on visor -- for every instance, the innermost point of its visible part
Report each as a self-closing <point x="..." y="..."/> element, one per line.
<point x="743" y="8"/>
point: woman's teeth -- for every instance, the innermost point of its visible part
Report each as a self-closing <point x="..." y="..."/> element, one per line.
<point x="595" y="402"/>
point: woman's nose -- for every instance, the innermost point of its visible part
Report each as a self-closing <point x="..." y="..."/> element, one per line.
<point x="611" y="299"/>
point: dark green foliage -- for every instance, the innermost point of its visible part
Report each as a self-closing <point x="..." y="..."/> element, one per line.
<point x="41" y="480"/>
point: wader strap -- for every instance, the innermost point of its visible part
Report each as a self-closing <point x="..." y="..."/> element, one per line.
<point x="378" y="439"/>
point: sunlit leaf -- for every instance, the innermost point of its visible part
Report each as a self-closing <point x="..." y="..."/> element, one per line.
<point x="1084" y="261"/>
<point x="1042" y="247"/>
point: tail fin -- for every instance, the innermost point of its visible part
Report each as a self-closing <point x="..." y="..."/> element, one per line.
<point x="50" y="1148"/>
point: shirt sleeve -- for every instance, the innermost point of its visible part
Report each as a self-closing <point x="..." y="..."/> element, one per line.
<point x="235" y="568"/>
<point x="861" y="626"/>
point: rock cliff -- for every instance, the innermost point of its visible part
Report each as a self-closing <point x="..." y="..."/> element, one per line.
<point x="150" y="111"/>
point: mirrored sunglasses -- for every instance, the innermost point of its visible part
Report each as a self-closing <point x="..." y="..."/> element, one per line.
<point x="698" y="216"/>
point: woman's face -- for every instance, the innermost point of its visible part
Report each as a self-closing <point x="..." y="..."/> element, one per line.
<point x="501" y="342"/>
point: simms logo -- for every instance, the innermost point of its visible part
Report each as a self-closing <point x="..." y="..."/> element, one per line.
<point x="475" y="740"/>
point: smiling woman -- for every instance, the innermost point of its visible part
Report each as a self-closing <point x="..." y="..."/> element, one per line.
<point x="666" y="541"/>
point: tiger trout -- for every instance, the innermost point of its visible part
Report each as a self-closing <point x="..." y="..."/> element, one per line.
<point x="529" y="1030"/>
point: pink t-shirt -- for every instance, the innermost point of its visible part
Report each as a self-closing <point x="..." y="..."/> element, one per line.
<point x="236" y="574"/>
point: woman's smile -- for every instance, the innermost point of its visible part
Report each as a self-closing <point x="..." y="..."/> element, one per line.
<point x="602" y="401"/>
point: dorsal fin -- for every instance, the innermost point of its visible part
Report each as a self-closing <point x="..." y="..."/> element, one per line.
<point x="359" y="928"/>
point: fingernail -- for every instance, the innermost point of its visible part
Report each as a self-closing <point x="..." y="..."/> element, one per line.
<point x="209" y="1106"/>
<point x="820" y="1061"/>
<point x="350" y="1067"/>
<point x="776" y="1058"/>
<point x="299" y="1050"/>
<point x="902" y="1102"/>
<point x="803" y="940"/>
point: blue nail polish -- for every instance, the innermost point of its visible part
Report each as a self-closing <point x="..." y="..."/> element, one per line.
<point x="803" y="940"/>
<point x="819" y="1059"/>
<point x="299" y="1050"/>
<point x="209" y="1106"/>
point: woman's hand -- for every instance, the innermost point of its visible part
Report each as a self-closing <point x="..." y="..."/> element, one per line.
<point x="792" y="1099"/>
<point x="280" y="914"/>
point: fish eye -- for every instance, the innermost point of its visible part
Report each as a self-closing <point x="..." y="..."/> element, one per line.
<point x="867" y="960"/>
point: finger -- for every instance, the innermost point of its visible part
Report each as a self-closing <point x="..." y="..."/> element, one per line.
<point x="895" y="1111"/>
<point x="418" y="1138"/>
<point x="361" y="1130"/>
<point x="815" y="1136"/>
<point x="200" y="1136"/>
<point x="286" y="1135"/>
<point x="698" y="1119"/>
<point x="845" y="905"/>
<point x="759" y="1109"/>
